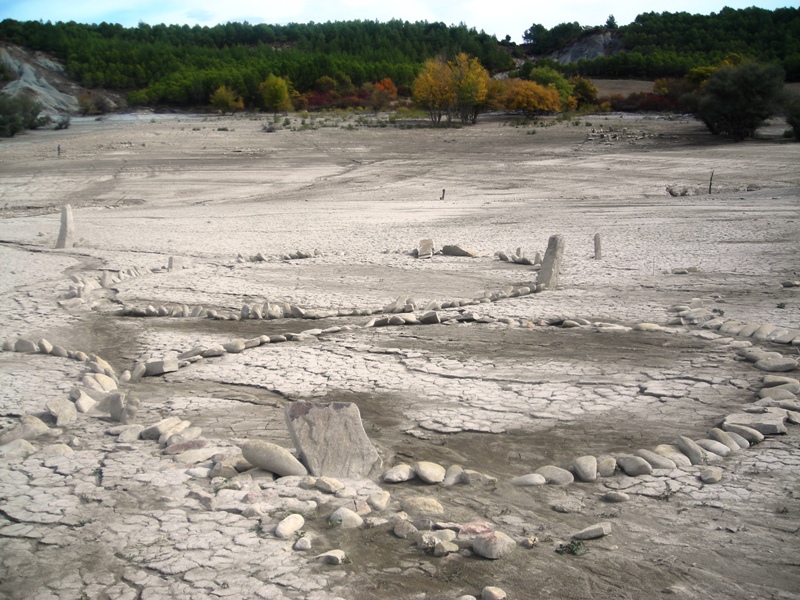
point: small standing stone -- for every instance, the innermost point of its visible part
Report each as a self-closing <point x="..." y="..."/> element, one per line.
<point x="551" y="265"/>
<point x="598" y="249"/>
<point x="66" y="237"/>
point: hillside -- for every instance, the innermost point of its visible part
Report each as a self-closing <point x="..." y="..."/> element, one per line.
<point x="671" y="44"/>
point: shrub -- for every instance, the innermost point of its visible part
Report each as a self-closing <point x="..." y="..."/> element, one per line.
<point x="736" y="100"/>
<point x="17" y="114"/>
<point x="63" y="122"/>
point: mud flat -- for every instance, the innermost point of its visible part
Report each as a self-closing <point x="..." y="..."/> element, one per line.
<point x="240" y="271"/>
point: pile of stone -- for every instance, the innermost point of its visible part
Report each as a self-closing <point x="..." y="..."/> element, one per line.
<point x="426" y="249"/>
<point x="519" y="258"/>
<point x="695" y="313"/>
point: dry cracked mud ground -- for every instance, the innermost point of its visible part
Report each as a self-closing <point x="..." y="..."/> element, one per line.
<point x="89" y="515"/>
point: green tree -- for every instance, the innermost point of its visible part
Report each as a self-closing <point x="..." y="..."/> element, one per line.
<point x="736" y="100"/>
<point x="18" y="114"/>
<point x="275" y="94"/>
<point x="583" y="90"/>
<point x="226" y="100"/>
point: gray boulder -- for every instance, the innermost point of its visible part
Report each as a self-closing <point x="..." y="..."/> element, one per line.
<point x="331" y="439"/>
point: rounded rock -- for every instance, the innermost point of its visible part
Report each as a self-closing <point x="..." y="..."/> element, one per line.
<point x="555" y="475"/>
<point x="288" y="526"/>
<point x="493" y="593"/>
<point x="430" y="472"/>
<point x="585" y="468"/>
<point x="422" y="505"/>
<point x="633" y="466"/>
<point x="528" y="480"/>
<point x="273" y="458"/>
<point x="493" y="545"/>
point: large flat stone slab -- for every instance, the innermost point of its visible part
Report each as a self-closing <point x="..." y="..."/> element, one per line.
<point x="331" y="439"/>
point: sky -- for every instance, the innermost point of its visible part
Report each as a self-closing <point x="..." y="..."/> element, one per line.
<point x="498" y="17"/>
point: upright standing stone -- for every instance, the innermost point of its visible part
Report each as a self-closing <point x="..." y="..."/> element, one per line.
<point x="66" y="237"/>
<point x="598" y="248"/>
<point x="331" y="439"/>
<point x="425" y="249"/>
<point x="551" y="265"/>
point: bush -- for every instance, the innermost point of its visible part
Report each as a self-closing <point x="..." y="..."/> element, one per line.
<point x="63" y="123"/>
<point x="737" y="100"/>
<point x="640" y="102"/>
<point x="17" y="114"/>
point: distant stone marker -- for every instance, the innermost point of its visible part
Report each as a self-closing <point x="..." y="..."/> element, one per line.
<point x="551" y="265"/>
<point x="66" y="237"/>
<point x="331" y="439"/>
<point x="598" y="247"/>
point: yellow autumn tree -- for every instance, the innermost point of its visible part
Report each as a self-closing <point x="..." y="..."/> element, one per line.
<point x="226" y="100"/>
<point x="470" y="83"/>
<point x="530" y="98"/>
<point x="433" y="90"/>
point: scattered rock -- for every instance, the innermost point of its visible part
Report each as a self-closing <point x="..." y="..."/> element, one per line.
<point x="711" y="474"/>
<point x="288" y="526"/>
<point x="633" y="466"/>
<point x="273" y="458"/>
<point x="422" y="505"/>
<point x="529" y="479"/>
<point x="748" y="433"/>
<point x="493" y="593"/>
<point x="430" y="472"/>
<point x="607" y="466"/>
<point x="656" y="460"/>
<point x="332" y="557"/>
<point x="493" y="545"/>
<point x="690" y="448"/>
<point x="555" y="475"/>
<point x="585" y="468"/>
<point x="615" y="497"/>
<point x="399" y="473"/>
<point x="593" y="532"/>
<point x="458" y="250"/>
<point x="345" y="518"/>
<point x="777" y="365"/>
<point x="771" y="421"/>
<point x="159" y="367"/>
<point x="63" y="410"/>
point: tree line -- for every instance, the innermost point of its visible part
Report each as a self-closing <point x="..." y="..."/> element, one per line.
<point x="182" y="66"/>
<point x="672" y="44"/>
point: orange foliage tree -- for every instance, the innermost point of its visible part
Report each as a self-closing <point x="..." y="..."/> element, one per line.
<point x="530" y="97"/>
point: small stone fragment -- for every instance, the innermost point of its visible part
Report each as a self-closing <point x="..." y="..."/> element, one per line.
<point x="615" y="497"/>
<point x="593" y="532"/>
